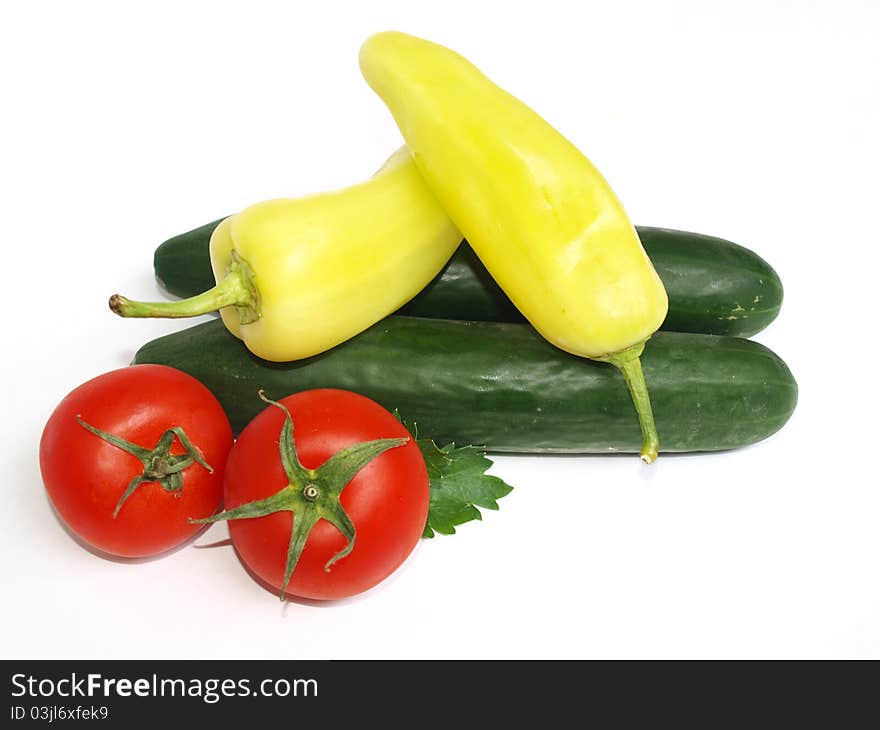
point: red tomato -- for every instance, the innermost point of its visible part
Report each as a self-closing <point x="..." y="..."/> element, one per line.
<point x="387" y="500"/>
<point x="86" y="476"/>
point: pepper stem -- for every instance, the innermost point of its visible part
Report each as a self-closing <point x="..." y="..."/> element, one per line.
<point x="629" y="364"/>
<point x="235" y="289"/>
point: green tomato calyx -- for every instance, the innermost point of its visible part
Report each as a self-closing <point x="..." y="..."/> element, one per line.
<point x="310" y="494"/>
<point x="160" y="465"/>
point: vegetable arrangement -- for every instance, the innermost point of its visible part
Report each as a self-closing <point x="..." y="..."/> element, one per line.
<point x="367" y="357"/>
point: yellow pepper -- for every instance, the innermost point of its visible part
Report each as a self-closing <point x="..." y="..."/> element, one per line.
<point x="296" y="277"/>
<point x="539" y="215"/>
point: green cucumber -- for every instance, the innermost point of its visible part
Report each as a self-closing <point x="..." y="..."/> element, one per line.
<point x="714" y="286"/>
<point x="183" y="263"/>
<point x="502" y="386"/>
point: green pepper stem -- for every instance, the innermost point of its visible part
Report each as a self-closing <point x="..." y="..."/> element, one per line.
<point x="235" y="289"/>
<point x="629" y="364"/>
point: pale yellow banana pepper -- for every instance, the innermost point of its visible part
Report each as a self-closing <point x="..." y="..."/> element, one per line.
<point x="539" y="215"/>
<point x="296" y="277"/>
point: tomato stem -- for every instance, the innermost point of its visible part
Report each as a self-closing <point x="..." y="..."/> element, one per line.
<point x="310" y="494"/>
<point x="160" y="465"/>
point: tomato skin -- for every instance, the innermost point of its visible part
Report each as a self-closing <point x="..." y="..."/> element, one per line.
<point x="85" y="476"/>
<point x="387" y="500"/>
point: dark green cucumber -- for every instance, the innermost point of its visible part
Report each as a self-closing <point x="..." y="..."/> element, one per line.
<point x="502" y="386"/>
<point x="714" y="286"/>
<point x="183" y="263"/>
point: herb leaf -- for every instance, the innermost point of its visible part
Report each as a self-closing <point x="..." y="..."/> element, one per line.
<point x="459" y="484"/>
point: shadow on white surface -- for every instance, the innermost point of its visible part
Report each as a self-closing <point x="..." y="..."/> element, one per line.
<point x="97" y="552"/>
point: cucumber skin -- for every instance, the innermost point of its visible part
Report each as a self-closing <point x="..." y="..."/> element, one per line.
<point x="714" y="286"/>
<point x="183" y="262"/>
<point x="502" y="386"/>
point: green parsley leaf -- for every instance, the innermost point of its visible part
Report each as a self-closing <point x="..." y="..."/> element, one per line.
<point x="459" y="484"/>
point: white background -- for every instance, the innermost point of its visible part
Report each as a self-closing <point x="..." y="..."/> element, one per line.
<point x="754" y="121"/>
